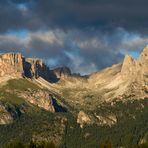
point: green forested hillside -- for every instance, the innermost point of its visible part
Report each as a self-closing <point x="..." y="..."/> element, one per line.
<point x="60" y="129"/>
<point x="47" y="127"/>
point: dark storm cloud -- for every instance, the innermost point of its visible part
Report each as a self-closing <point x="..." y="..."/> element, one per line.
<point x="100" y="14"/>
<point x="68" y="14"/>
<point x="17" y="15"/>
<point x="104" y="14"/>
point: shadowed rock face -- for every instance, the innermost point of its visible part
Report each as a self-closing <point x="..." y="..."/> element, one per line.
<point x="35" y="68"/>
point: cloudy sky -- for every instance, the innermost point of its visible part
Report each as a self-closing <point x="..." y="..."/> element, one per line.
<point x="86" y="35"/>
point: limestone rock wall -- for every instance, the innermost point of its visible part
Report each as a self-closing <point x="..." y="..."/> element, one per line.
<point x="11" y="64"/>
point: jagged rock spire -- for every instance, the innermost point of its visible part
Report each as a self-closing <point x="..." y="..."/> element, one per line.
<point x="128" y="66"/>
<point x="143" y="59"/>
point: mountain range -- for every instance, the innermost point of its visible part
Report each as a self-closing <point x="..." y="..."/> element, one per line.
<point x="70" y="110"/>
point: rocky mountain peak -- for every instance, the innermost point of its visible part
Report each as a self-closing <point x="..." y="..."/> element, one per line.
<point x="145" y="50"/>
<point x="128" y="60"/>
<point x="128" y="66"/>
<point x="143" y="59"/>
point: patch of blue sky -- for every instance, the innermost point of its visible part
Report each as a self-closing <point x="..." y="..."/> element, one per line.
<point x="134" y="54"/>
<point x="51" y="62"/>
<point x="20" y="33"/>
<point x="23" y="6"/>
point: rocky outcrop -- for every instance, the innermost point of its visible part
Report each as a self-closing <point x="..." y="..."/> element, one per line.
<point x="5" y="116"/>
<point x="83" y="119"/>
<point x="101" y="120"/>
<point x="128" y="67"/>
<point x="40" y="98"/>
<point x="11" y="64"/>
<point x="106" y="120"/>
